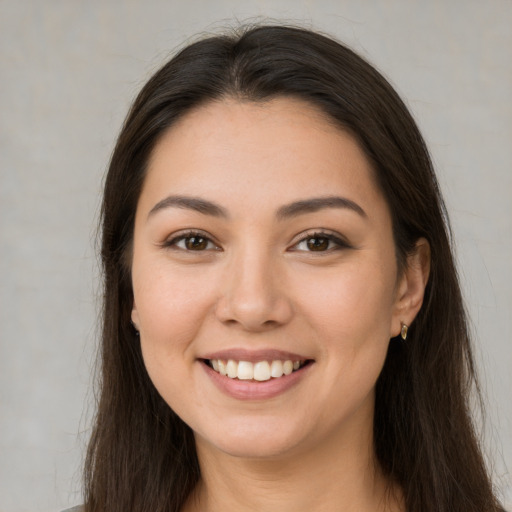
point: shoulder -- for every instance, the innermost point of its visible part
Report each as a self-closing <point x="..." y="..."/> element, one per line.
<point x="78" y="508"/>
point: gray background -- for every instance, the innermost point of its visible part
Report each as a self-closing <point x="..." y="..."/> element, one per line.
<point x="68" y="72"/>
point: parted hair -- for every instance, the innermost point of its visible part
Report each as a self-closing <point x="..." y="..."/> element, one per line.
<point x="141" y="455"/>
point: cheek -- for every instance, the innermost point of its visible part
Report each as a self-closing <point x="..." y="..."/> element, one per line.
<point x="171" y="307"/>
<point x="350" y="312"/>
<point x="354" y="303"/>
<point x="351" y="315"/>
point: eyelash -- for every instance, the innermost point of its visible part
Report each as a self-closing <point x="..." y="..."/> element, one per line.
<point x="182" y="237"/>
<point x="331" y="238"/>
<point x="338" y="242"/>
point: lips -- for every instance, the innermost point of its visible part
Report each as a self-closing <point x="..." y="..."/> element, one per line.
<point x="253" y="356"/>
<point x="245" y="374"/>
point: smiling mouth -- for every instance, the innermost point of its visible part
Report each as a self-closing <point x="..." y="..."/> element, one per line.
<point x="259" y="371"/>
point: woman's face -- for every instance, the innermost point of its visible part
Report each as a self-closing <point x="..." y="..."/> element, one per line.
<point x="261" y="240"/>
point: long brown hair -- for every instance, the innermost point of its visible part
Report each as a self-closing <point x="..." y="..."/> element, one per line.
<point x="141" y="456"/>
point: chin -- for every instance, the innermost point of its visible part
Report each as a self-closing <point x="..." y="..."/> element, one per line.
<point x="253" y="441"/>
<point x="245" y="449"/>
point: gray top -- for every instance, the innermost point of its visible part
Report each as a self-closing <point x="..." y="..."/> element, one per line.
<point x="78" y="508"/>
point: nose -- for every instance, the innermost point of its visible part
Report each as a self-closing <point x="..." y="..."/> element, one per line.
<point x="253" y="293"/>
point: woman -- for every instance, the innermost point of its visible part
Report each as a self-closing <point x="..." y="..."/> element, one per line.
<point x="283" y="327"/>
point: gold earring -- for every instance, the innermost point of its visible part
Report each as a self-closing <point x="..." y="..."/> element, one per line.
<point x="403" y="331"/>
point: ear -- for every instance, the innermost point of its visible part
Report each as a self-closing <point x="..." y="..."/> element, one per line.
<point x="135" y="316"/>
<point x="411" y="287"/>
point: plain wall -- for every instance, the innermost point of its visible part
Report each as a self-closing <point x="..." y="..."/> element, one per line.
<point x="69" y="70"/>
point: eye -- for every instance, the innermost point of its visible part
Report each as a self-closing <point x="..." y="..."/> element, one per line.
<point x="192" y="241"/>
<point x="320" y="242"/>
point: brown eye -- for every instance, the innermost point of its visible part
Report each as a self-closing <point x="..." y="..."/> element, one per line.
<point x="317" y="243"/>
<point x="196" y="243"/>
<point x="191" y="242"/>
<point x="321" y="242"/>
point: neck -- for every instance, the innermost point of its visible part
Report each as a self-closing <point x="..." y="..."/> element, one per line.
<point x="339" y="475"/>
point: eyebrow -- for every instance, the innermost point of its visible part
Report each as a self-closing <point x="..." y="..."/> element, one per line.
<point x="316" y="204"/>
<point x="190" y="203"/>
<point x="294" y="209"/>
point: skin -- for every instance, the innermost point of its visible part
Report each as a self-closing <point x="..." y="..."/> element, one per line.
<point x="255" y="283"/>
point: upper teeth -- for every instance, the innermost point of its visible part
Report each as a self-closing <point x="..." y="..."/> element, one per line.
<point x="262" y="370"/>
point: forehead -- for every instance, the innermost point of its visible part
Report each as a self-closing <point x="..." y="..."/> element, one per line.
<point x="269" y="152"/>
